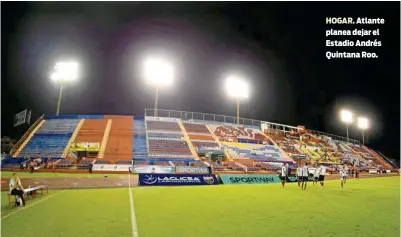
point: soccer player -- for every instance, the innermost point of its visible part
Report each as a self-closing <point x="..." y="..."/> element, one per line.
<point x="283" y="174"/>
<point x="343" y="174"/>
<point x="322" y="174"/>
<point x="305" y="174"/>
<point x="316" y="175"/>
<point x="299" y="175"/>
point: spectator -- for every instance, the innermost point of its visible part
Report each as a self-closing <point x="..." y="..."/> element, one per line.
<point x="357" y="173"/>
<point x="16" y="189"/>
<point x="32" y="167"/>
<point x="90" y="167"/>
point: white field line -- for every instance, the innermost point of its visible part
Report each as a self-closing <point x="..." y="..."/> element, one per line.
<point x="133" y="216"/>
<point x="29" y="206"/>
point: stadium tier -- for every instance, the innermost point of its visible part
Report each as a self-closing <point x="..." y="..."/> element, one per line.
<point x="175" y="141"/>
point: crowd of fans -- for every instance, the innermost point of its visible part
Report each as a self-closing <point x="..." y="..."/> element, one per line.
<point x="37" y="163"/>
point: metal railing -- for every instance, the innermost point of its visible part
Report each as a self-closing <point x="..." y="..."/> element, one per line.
<point x="335" y="137"/>
<point x="187" y="115"/>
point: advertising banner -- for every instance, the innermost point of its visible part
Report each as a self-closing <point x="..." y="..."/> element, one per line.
<point x="372" y="171"/>
<point x="110" y="167"/>
<point x="191" y="170"/>
<point x="20" y="118"/>
<point x="152" y="169"/>
<point x="291" y="178"/>
<point x="249" y="179"/>
<point x="176" y="179"/>
<point x="209" y="148"/>
<point x="84" y="146"/>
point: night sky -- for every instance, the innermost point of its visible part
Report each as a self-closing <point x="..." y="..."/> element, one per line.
<point x="278" y="47"/>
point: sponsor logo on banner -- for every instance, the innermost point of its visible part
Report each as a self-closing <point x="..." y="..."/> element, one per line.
<point x="84" y="146"/>
<point x="176" y="179"/>
<point x="292" y="178"/>
<point x="373" y="171"/>
<point x="191" y="170"/>
<point x="209" y="148"/>
<point x="20" y="118"/>
<point x="152" y="169"/>
<point x="249" y="179"/>
<point x="109" y="167"/>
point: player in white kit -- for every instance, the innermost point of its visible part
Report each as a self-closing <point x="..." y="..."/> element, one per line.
<point x="316" y="175"/>
<point x="299" y="175"/>
<point x="283" y="174"/>
<point x="343" y="175"/>
<point x="322" y="174"/>
<point x="305" y="174"/>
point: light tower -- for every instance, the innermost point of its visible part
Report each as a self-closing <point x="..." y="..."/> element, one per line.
<point x="346" y="117"/>
<point x="158" y="73"/>
<point x="363" y="124"/>
<point x="63" y="73"/>
<point x="237" y="88"/>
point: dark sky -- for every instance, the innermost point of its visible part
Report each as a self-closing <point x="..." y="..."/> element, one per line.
<point x="278" y="47"/>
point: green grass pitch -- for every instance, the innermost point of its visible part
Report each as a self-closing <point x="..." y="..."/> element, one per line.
<point x="366" y="207"/>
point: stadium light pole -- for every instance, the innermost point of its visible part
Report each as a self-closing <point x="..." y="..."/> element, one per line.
<point x="237" y="88"/>
<point x="64" y="72"/>
<point x="346" y="117"/>
<point x="158" y="73"/>
<point x="363" y="124"/>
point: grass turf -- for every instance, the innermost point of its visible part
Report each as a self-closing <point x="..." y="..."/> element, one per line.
<point x="8" y="174"/>
<point x="366" y="207"/>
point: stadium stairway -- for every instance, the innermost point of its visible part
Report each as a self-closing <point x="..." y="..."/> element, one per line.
<point x="119" y="144"/>
<point x="106" y="134"/>
<point x="28" y="138"/>
<point x="226" y="153"/>
<point x="140" y="140"/>
<point x="191" y="147"/>
<point x="92" y="131"/>
<point x="74" y="135"/>
<point x="378" y="158"/>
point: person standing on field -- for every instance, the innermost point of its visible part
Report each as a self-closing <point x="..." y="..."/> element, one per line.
<point x="322" y="175"/>
<point x="283" y="174"/>
<point x="305" y="174"/>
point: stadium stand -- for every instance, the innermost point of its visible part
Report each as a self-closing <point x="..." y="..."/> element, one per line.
<point x="171" y="142"/>
<point x="51" y="138"/>
<point x="166" y="140"/>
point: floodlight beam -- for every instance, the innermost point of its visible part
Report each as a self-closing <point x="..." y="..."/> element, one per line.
<point x="346" y="117"/>
<point x="363" y="124"/>
<point x="238" y="89"/>
<point x="156" y="100"/>
<point x="238" y="111"/>
<point x="59" y="99"/>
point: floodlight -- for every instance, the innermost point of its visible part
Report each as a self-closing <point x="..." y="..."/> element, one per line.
<point x="65" y="71"/>
<point x="346" y="116"/>
<point x="158" y="72"/>
<point x="237" y="88"/>
<point x="363" y="123"/>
